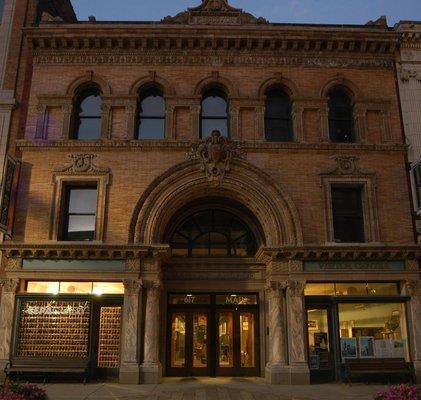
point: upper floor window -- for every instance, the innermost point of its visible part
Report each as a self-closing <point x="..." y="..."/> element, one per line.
<point x="417" y="184"/>
<point x="214" y="113"/>
<point x="87" y="118"/>
<point x="1" y="9"/>
<point x="278" y="121"/>
<point x="341" y="116"/>
<point x="79" y="213"/>
<point x="347" y="212"/>
<point x="213" y="233"/>
<point x="151" y="115"/>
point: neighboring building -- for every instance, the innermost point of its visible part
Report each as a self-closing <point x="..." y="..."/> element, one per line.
<point x="211" y="194"/>
<point x="409" y="78"/>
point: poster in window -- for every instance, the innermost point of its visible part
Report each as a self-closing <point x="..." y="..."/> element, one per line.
<point x="314" y="361"/>
<point x="348" y="348"/>
<point x="366" y="346"/>
<point x="398" y="348"/>
<point x="320" y="341"/>
<point x="8" y="194"/>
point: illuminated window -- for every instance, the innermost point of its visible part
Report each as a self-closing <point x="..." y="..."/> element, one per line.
<point x="97" y="288"/>
<point x="352" y="289"/>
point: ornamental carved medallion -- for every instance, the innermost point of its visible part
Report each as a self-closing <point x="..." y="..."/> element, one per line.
<point x="215" y="154"/>
<point x="82" y="164"/>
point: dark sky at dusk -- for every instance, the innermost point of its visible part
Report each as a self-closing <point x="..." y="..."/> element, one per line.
<point x="295" y="11"/>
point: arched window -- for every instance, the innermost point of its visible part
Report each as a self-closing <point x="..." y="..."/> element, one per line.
<point x="213" y="233"/>
<point x="87" y="117"/>
<point x="278" y="121"/>
<point x="341" y="117"/>
<point x="214" y="113"/>
<point x="151" y="115"/>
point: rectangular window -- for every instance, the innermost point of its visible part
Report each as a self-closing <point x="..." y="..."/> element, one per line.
<point x="417" y="183"/>
<point x="373" y="330"/>
<point x="1" y="9"/>
<point x="347" y="210"/>
<point x="79" y="214"/>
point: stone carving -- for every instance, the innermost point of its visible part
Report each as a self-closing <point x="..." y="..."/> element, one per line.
<point x="413" y="288"/>
<point x="133" y="264"/>
<point x="407" y="75"/>
<point x="296" y="288"/>
<point x="82" y="164"/>
<point x="214" y="12"/>
<point x="163" y="57"/>
<point x="346" y="165"/>
<point x="13" y="263"/>
<point x="151" y="343"/>
<point x="132" y="286"/>
<point x="215" y="154"/>
<point x="9" y="285"/>
<point x="275" y="292"/>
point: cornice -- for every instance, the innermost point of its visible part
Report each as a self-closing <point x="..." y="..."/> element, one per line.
<point x="360" y="252"/>
<point x="81" y="250"/>
<point x="278" y="39"/>
<point x="174" y="145"/>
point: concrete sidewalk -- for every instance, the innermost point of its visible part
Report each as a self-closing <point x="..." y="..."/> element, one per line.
<point x="210" y="389"/>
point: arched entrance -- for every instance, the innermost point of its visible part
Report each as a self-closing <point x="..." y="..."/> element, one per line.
<point x="212" y="310"/>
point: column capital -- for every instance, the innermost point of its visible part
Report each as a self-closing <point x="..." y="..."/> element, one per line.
<point x="296" y="288"/>
<point x="9" y="285"/>
<point x="275" y="288"/>
<point x="132" y="286"/>
<point x="413" y="288"/>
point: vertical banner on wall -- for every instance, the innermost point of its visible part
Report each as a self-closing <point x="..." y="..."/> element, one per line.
<point x="9" y="189"/>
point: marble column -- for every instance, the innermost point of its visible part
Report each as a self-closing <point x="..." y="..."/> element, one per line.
<point x="299" y="370"/>
<point x="151" y="369"/>
<point x="7" y="311"/>
<point x="129" y="365"/>
<point x="413" y="289"/>
<point x="277" y="372"/>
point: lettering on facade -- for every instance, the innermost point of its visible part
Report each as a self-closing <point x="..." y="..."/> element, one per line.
<point x="59" y="310"/>
<point x="354" y="265"/>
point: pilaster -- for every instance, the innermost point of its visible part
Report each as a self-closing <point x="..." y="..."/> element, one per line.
<point x="129" y="365"/>
<point x="297" y="121"/>
<point x="276" y="372"/>
<point x="324" y="122"/>
<point x="413" y="289"/>
<point x="299" y="371"/>
<point x="7" y="312"/>
<point x="151" y="368"/>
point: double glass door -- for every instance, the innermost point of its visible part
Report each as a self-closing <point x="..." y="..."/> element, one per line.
<point x="189" y="343"/>
<point x="217" y="340"/>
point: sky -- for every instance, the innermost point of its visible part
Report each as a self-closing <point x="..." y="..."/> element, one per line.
<point x="290" y="11"/>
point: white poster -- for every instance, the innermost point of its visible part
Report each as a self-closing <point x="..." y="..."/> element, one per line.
<point x="398" y="348"/>
<point x="383" y="348"/>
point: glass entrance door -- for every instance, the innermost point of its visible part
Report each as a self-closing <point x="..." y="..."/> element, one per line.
<point x="236" y="343"/>
<point x="320" y="344"/>
<point x="188" y="343"/>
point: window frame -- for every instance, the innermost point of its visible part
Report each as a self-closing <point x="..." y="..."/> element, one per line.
<point x="279" y="90"/>
<point x="66" y="214"/>
<point x="60" y="183"/>
<point x="143" y="94"/>
<point x="82" y="94"/>
<point x="369" y="208"/>
<point x="351" y="120"/>
<point x="416" y="189"/>
<point x="215" y="92"/>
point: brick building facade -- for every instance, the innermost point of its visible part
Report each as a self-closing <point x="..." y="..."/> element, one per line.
<point x="218" y="194"/>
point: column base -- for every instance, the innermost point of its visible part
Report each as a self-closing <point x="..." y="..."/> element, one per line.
<point x="277" y="374"/>
<point x="3" y="364"/>
<point x="417" y="371"/>
<point x="299" y="374"/>
<point x="129" y="374"/>
<point x="151" y="373"/>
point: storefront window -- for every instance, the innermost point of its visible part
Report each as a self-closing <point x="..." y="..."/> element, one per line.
<point x="373" y="330"/>
<point x="76" y="287"/>
<point x="319" y="289"/>
<point x="43" y="287"/>
<point x="351" y="289"/>
<point x="53" y="329"/>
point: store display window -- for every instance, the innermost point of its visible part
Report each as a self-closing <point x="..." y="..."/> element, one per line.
<point x="96" y="288"/>
<point x="373" y="330"/>
<point x="352" y="289"/>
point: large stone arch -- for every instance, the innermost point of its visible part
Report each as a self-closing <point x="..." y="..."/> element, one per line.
<point x="244" y="183"/>
<point x="89" y="78"/>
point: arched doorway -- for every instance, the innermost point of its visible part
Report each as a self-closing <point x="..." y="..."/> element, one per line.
<point x="212" y="330"/>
